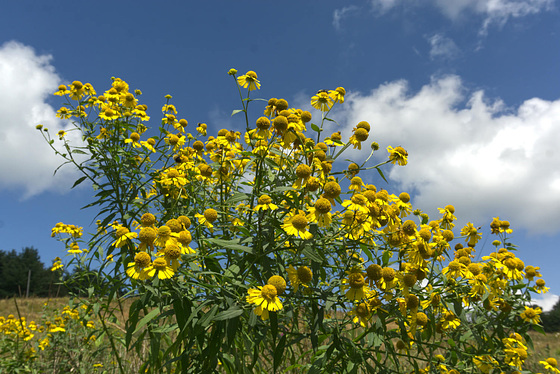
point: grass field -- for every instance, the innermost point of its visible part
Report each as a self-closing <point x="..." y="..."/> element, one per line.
<point x="78" y="350"/>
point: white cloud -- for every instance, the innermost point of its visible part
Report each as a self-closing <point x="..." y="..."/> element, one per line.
<point x="340" y="14"/>
<point x="493" y="11"/>
<point x="442" y="47"/>
<point x="28" y="79"/>
<point x="383" y="6"/>
<point x="546" y="302"/>
<point x="465" y="150"/>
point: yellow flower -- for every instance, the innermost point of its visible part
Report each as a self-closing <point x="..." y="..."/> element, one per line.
<point x="57" y="264"/>
<point x="296" y="225"/>
<point x="123" y="235"/>
<point x="266" y="299"/>
<point x="531" y="315"/>
<point x="322" y="101"/>
<point x="140" y="268"/>
<point x="264" y="203"/>
<point x="338" y="94"/>
<point x="471" y="233"/>
<point x="358" y="287"/>
<point x="551" y="365"/>
<point x="134" y="140"/>
<point x="249" y="80"/>
<point x="162" y="268"/>
<point x="302" y="275"/>
<point x="398" y="155"/>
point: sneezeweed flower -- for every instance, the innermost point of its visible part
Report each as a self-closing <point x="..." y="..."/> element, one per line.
<point x="485" y="363"/>
<point x="74" y="249"/>
<point x="303" y="172"/>
<point x="296" y="224"/>
<point x="338" y="94"/>
<point x="249" y="80"/>
<point x="279" y="283"/>
<point x="531" y="315"/>
<point x="141" y="267"/>
<point x="362" y="314"/>
<point x="134" y="140"/>
<point x="232" y="71"/>
<point x="266" y="299"/>
<point x="62" y="90"/>
<point x="398" y="155"/>
<point x="57" y="264"/>
<point x="540" y="286"/>
<point x="320" y="212"/>
<point x="472" y="236"/>
<point x="551" y="365"/>
<point x="161" y="268"/>
<point x="302" y="276"/>
<point x="322" y="101"/>
<point x="357" y="283"/>
<point x="63" y="113"/>
<point x="360" y="135"/>
<point x="264" y="203"/>
<point x="123" y="235"/>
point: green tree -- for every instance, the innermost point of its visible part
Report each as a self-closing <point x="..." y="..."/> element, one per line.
<point x="551" y="319"/>
<point x="14" y="273"/>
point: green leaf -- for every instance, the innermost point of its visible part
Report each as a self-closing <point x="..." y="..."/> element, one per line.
<point x="236" y="111"/>
<point x="147" y="318"/>
<point x="237" y="197"/>
<point x="230" y="244"/>
<point x="315" y="128"/>
<point x="311" y="254"/>
<point x="230" y="313"/>
<point x="279" y="352"/>
<point x="381" y="173"/>
<point x="78" y="181"/>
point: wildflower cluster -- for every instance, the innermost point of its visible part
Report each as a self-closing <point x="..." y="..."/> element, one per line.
<point x="265" y="232"/>
<point x="30" y="343"/>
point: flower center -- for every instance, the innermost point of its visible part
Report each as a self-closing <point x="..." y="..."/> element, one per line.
<point x="356" y="280"/>
<point x="269" y="292"/>
<point x="160" y="263"/>
<point x="299" y="222"/>
<point x="142" y="259"/>
<point x="264" y="199"/>
<point x="304" y="274"/>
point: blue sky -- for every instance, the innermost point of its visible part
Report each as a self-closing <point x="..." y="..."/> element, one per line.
<point x="471" y="88"/>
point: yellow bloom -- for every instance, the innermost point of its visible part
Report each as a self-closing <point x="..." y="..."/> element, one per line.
<point x="301" y="276"/>
<point x="551" y="365"/>
<point x="338" y="94"/>
<point x="266" y="299"/>
<point x="358" y="287"/>
<point x="322" y="101"/>
<point x="123" y="234"/>
<point x="134" y="140"/>
<point x="471" y="233"/>
<point x="161" y="267"/>
<point x="531" y="315"/>
<point x="398" y="155"/>
<point x="264" y="203"/>
<point x="249" y="80"/>
<point x="297" y="225"/>
<point x="141" y="267"/>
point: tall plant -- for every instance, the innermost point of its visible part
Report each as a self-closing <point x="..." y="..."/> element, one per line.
<point x="264" y="250"/>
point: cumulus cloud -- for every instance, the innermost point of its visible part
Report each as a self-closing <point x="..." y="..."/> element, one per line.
<point x="546" y="302"/>
<point x="466" y="150"/>
<point x="340" y="14"/>
<point x="28" y="79"/>
<point x="442" y="47"/>
<point x="493" y="11"/>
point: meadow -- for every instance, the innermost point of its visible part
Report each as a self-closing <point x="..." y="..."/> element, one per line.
<point x="76" y="350"/>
